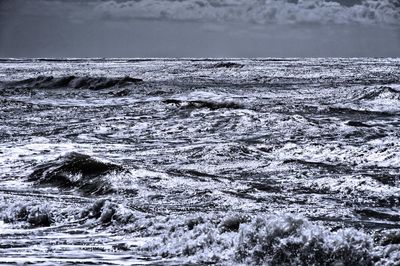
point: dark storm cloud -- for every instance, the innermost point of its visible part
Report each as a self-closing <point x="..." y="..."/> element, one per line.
<point x="383" y="12"/>
<point x="199" y="28"/>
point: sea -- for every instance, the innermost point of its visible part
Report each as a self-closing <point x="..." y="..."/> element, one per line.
<point x="270" y="161"/>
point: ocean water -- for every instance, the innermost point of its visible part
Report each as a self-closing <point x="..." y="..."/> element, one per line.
<point x="198" y="161"/>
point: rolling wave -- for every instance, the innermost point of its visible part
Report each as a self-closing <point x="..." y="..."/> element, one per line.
<point x="84" y="82"/>
<point x="77" y="171"/>
<point x="383" y="93"/>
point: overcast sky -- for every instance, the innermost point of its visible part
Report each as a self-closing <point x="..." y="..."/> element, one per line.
<point x="199" y="28"/>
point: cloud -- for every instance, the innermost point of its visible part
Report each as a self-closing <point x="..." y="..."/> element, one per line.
<point x="382" y="12"/>
<point x="170" y="28"/>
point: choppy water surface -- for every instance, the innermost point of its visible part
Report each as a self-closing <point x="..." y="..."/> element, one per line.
<point x="200" y="161"/>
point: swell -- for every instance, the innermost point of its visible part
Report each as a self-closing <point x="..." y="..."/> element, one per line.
<point x="381" y="93"/>
<point x="199" y="104"/>
<point x="75" y="82"/>
<point x="376" y="101"/>
<point x="76" y="171"/>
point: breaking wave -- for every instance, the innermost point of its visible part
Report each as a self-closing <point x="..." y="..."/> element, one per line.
<point x="198" y="104"/>
<point x="221" y="238"/>
<point x="263" y="240"/>
<point x="76" y="171"/>
<point x="254" y="11"/>
<point x="36" y="215"/>
<point x="382" y="93"/>
<point x="383" y="100"/>
<point x="39" y="214"/>
<point x="228" y="65"/>
<point x="85" y="82"/>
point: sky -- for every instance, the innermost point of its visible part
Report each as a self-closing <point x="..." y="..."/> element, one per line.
<point x="199" y="28"/>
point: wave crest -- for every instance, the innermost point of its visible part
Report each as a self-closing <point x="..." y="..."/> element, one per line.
<point x="261" y="240"/>
<point x="76" y="171"/>
<point x="382" y="93"/>
<point x="290" y="240"/>
<point x="85" y="82"/>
